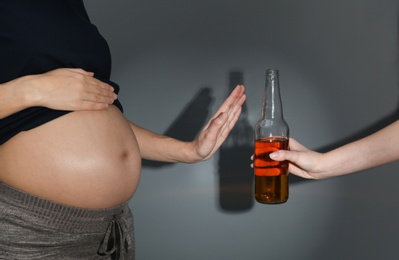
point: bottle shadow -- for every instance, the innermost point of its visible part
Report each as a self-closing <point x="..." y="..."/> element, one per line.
<point x="234" y="172"/>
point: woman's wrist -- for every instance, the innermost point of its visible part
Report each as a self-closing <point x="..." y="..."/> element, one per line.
<point x="332" y="164"/>
<point x="326" y="166"/>
<point x="187" y="152"/>
<point x="16" y="95"/>
<point x="24" y="91"/>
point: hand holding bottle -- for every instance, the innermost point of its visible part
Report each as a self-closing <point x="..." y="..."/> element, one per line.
<point x="304" y="162"/>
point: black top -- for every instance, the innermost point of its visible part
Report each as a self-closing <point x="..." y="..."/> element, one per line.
<point x="37" y="36"/>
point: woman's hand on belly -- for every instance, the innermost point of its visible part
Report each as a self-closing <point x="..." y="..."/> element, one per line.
<point x="60" y="89"/>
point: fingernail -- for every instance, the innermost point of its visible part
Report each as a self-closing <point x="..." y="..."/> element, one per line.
<point x="273" y="155"/>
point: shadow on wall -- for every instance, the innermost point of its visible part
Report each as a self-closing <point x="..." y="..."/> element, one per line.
<point x="374" y="127"/>
<point x="235" y="175"/>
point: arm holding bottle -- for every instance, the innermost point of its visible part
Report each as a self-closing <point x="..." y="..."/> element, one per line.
<point x="60" y="89"/>
<point x="379" y="148"/>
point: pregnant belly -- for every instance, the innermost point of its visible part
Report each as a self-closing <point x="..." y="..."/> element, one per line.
<point x="87" y="159"/>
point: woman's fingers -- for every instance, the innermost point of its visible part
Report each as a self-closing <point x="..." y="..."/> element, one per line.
<point x="74" y="89"/>
<point x="100" y="92"/>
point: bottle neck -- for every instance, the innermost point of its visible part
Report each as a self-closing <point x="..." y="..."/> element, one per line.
<point x="272" y="107"/>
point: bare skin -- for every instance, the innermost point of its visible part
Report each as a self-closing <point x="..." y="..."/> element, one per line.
<point x="91" y="158"/>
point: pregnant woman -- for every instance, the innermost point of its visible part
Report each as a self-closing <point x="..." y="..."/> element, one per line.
<point x="69" y="160"/>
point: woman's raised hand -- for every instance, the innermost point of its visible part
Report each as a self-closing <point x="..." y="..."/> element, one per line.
<point x="218" y="128"/>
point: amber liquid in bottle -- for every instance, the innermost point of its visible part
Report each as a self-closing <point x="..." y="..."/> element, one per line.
<point x="271" y="177"/>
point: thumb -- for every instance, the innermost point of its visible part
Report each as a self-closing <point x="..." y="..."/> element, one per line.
<point x="82" y="71"/>
<point x="283" y="155"/>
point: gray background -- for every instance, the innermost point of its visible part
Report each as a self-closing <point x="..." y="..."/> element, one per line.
<point x="176" y="61"/>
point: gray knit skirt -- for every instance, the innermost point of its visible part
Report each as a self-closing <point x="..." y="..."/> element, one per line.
<point x="35" y="228"/>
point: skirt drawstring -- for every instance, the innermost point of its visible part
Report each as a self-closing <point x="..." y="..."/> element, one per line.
<point x="114" y="242"/>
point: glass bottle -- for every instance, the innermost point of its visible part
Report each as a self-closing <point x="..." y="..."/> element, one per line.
<point x="271" y="134"/>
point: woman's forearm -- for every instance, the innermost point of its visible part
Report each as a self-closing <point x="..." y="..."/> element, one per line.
<point x="379" y="148"/>
<point x="160" y="148"/>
